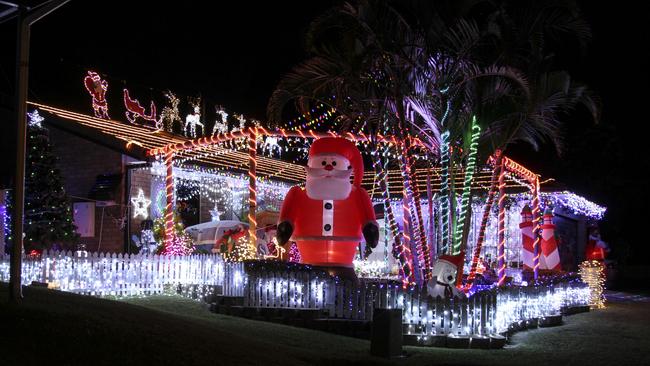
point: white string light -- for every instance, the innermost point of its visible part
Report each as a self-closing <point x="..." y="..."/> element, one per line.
<point x="140" y="205"/>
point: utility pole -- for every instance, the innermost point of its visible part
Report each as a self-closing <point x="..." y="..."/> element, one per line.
<point x="26" y="18"/>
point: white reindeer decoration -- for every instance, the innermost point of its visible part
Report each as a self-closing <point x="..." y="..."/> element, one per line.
<point x="221" y="126"/>
<point x="194" y="119"/>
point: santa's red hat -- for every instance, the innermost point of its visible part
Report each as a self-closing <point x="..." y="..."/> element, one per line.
<point x="456" y="260"/>
<point x="343" y="147"/>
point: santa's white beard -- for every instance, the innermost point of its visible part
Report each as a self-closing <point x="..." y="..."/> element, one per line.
<point x="328" y="188"/>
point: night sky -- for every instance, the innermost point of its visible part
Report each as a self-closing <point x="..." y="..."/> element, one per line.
<point x="235" y="54"/>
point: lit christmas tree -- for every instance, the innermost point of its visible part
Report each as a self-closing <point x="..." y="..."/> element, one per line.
<point x="294" y="253"/>
<point x="181" y="243"/>
<point x="48" y="213"/>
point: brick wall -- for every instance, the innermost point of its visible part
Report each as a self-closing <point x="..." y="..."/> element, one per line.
<point x="80" y="162"/>
<point x="140" y="179"/>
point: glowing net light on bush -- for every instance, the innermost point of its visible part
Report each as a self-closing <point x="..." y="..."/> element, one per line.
<point x="370" y="269"/>
<point x="518" y="304"/>
<point x="179" y="245"/>
<point x="241" y="251"/>
<point x="593" y="274"/>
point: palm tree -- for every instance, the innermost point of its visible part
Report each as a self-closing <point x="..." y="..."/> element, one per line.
<point x="523" y="35"/>
<point x="364" y="74"/>
<point x="434" y="78"/>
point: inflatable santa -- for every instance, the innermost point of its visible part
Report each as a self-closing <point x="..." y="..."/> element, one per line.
<point x="330" y="216"/>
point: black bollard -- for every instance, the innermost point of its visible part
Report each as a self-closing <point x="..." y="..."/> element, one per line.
<point x="386" y="337"/>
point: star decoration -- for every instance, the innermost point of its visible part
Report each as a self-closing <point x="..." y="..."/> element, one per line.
<point x="35" y="119"/>
<point x="140" y="205"/>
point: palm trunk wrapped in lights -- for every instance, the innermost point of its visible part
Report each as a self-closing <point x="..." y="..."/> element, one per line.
<point x="431" y="216"/>
<point x="400" y="251"/>
<point x="537" y="218"/>
<point x="407" y="217"/>
<point x="444" y="189"/>
<point x="501" y="253"/>
<point x="484" y="220"/>
<point x="419" y="227"/>
<point x="467" y="187"/>
<point x="169" y="201"/>
<point x="252" y="187"/>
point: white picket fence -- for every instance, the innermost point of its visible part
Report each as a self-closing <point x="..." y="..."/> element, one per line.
<point x="484" y="313"/>
<point x="102" y="274"/>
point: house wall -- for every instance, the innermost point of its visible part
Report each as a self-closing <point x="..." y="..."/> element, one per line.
<point x="139" y="179"/>
<point x="80" y="162"/>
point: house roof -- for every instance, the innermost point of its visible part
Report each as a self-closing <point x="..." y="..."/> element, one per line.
<point x="230" y="152"/>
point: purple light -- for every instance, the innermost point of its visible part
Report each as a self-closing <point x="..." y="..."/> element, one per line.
<point x="575" y="204"/>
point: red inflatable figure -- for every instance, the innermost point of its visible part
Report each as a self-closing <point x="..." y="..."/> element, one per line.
<point x="596" y="249"/>
<point x="330" y="216"/>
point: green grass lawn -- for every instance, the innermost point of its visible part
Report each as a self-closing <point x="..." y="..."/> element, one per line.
<point x="56" y="328"/>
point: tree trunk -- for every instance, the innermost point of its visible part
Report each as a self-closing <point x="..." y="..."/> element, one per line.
<point x="431" y="225"/>
<point x="444" y="191"/>
<point x="420" y="231"/>
<point x="501" y="252"/>
<point x="486" y="215"/>
<point x="400" y="252"/>
<point x="463" y="243"/>
<point x="410" y="184"/>
<point x="460" y="227"/>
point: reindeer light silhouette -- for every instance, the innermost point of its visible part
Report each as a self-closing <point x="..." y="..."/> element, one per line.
<point x="170" y="113"/>
<point x="221" y="126"/>
<point x="193" y="119"/>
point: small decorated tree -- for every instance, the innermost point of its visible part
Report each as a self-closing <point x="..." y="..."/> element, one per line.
<point x="48" y="213"/>
<point x="182" y="243"/>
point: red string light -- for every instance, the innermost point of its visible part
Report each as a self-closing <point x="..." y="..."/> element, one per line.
<point x="169" y="207"/>
<point x="536" y="231"/>
<point x="97" y="88"/>
<point x="252" y="192"/>
<point x="501" y="256"/>
<point x="423" y="246"/>
<point x="486" y="216"/>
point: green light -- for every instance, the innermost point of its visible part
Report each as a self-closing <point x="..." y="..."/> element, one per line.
<point x="467" y="185"/>
<point x="444" y="188"/>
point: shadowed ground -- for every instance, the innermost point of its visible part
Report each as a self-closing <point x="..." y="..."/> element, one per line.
<point x="57" y="328"/>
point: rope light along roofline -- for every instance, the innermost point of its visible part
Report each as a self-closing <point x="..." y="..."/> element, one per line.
<point x="130" y="133"/>
<point x="210" y="140"/>
<point x="514" y="167"/>
<point x="150" y="141"/>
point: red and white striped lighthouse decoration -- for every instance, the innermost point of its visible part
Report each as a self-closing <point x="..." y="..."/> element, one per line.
<point x="550" y="258"/>
<point x="527" y="237"/>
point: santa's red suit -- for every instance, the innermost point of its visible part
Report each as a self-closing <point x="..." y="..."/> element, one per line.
<point x="596" y="248"/>
<point x="329" y="217"/>
<point x="327" y="231"/>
